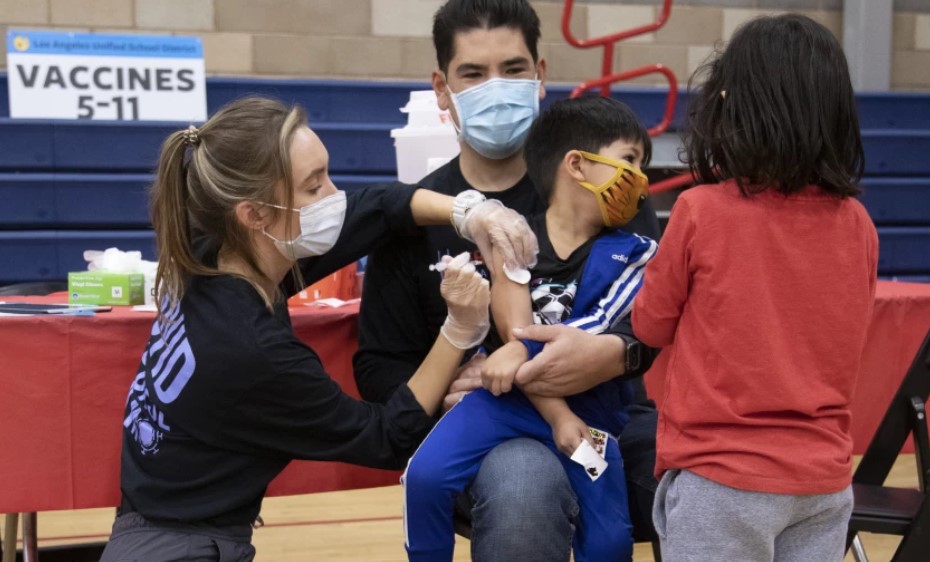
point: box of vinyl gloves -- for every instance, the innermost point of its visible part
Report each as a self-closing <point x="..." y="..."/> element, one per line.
<point x="112" y="277"/>
<point x="104" y="287"/>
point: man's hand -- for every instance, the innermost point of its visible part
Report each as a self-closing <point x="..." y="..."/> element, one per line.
<point x="501" y="367"/>
<point x="568" y="432"/>
<point x="467" y="379"/>
<point x="571" y="362"/>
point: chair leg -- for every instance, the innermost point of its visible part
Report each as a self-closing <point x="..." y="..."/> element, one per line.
<point x="657" y="551"/>
<point x="9" y="537"/>
<point x="858" y="551"/>
<point x="30" y="538"/>
<point x="916" y="543"/>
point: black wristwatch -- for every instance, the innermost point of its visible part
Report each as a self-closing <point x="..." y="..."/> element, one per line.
<point x="633" y="355"/>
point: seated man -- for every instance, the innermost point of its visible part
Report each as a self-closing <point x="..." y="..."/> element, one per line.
<point x="520" y="504"/>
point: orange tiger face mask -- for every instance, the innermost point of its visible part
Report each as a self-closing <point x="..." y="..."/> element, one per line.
<point x="621" y="196"/>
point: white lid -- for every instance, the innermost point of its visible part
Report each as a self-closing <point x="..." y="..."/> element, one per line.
<point x="421" y="100"/>
<point x="437" y="131"/>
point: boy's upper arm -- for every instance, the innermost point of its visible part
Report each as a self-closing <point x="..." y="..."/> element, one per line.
<point x="510" y="302"/>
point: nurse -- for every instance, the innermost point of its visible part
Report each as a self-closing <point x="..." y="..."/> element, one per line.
<point x="226" y="395"/>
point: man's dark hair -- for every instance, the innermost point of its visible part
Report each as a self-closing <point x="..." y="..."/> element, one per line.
<point x="777" y="111"/>
<point x="588" y="123"/>
<point x="464" y="15"/>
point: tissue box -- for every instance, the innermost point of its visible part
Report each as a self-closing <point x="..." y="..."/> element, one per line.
<point x="101" y="287"/>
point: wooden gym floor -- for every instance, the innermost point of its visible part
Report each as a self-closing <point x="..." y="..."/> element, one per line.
<point x="356" y="526"/>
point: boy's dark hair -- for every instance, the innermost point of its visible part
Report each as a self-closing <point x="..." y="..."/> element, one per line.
<point x="788" y="116"/>
<point x="464" y="15"/>
<point x="588" y="123"/>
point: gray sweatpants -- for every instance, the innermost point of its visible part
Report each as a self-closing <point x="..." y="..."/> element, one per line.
<point x="699" y="520"/>
<point x="136" y="539"/>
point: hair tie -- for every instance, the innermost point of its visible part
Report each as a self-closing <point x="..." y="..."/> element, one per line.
<point x="192" y="135"/>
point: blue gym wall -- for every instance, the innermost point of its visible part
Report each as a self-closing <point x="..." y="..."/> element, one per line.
<point x="67" y="186"/>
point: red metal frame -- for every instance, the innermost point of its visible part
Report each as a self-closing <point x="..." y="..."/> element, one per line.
<point x="608" y="76"/>
<point x="608" y="41"/>
<point x="670" y="101"/>
<point x="674" y="182"/>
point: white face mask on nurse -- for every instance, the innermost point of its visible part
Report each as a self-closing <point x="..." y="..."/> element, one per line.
<point x="320" y="206"/>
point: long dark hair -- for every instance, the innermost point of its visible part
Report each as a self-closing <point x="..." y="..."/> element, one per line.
<point x="776" y="111"/>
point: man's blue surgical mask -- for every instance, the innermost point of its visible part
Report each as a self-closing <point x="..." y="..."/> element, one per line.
<point x="495" y="116"/>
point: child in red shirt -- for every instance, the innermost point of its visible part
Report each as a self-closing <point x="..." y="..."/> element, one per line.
<point x="762" y="290"/>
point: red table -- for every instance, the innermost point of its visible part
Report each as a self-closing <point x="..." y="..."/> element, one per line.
<point x="900" y="321"/>
<point x="63" y="386"/>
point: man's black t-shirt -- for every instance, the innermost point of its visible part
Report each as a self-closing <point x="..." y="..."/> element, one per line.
<point x="402" y="309"/>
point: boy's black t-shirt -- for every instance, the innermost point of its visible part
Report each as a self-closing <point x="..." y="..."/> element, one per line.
<point x="554" y="281"/>
<point x="226" y="395"/>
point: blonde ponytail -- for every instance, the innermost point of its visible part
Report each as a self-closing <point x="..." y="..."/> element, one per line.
<point x="169" y="202"/>
<point x="241" y="154"/>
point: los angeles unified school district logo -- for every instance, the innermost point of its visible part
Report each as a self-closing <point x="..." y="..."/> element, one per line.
<point x="21" y="43"/>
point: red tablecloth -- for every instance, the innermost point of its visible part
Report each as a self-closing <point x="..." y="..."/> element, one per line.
<point x="63" y="386"/>
<point x="900" y="321"/>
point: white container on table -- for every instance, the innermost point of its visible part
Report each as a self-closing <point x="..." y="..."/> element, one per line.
<point x="427" y="141"/>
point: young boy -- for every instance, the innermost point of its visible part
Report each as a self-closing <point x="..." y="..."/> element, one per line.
<point x="583" y="156"/>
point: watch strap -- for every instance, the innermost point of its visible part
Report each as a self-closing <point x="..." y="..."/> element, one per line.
<point x="632" y="355"/>
<point x="461" y="205"/>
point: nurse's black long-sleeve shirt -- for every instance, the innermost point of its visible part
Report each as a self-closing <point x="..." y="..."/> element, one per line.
<point x="226" y="395"/>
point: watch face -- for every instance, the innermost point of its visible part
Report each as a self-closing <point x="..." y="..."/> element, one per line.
<point x="633" y="358"/>
<point x="473" y="198"/>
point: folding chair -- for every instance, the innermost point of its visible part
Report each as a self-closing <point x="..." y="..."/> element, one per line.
<point x="897" y="511"/>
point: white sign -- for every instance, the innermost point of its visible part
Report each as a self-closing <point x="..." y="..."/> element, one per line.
<point x="116" y="77"/>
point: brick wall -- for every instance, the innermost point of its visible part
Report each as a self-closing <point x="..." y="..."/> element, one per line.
<point x="390" y="39"/>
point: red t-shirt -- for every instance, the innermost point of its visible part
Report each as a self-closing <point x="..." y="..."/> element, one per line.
<point x="763" y="303"/>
